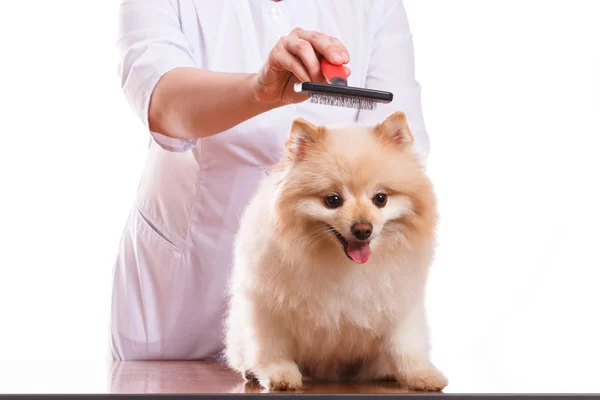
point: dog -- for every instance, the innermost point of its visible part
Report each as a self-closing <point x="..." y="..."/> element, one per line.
<point x="331" y="261"/>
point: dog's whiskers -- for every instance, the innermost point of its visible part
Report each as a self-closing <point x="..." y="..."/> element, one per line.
<point x="317" y="235"/>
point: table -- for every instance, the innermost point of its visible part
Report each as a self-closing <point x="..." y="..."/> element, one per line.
<point x="549" y="375"/>
<point x="201" y="377"/>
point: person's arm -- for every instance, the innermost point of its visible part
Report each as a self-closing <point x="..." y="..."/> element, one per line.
<point x="392" y="68"/>
<point x="179" y="102"/>
<point x="187" y="101"/>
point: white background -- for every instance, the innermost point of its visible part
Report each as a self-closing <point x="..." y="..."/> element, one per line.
<point x="510" y="96"/>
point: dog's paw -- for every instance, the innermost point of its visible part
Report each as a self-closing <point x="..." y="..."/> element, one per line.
<point x="423" y="376"/>
<point x="281" y="376"/>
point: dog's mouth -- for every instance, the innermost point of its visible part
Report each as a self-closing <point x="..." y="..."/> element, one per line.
<point x="358" y="251"/>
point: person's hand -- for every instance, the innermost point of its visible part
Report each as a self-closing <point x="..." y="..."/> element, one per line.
<point x="295" y="58"/>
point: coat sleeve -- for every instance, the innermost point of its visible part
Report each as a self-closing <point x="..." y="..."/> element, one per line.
<point x="150" y="44"/>
<point x="392" y="68"/>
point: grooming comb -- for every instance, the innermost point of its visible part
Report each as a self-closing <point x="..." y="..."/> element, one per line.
<point x="336" y="91"/>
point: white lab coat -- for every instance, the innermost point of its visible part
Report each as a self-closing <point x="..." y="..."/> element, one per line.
<point x="175" y="254"/>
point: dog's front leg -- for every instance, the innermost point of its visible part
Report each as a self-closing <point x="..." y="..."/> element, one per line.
<point x="271" y="356"/>
<point x="409" y="351"/>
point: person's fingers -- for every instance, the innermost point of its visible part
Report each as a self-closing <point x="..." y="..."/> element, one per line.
<point x="337" y="42"/>
<point x="282" y="60"/>
<point x="330" y="48"/>
<point x="348" y="72"/>
<point x="305" y="52"/>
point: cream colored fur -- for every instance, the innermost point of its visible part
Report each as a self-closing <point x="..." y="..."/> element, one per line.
<point x="299" y="307"/>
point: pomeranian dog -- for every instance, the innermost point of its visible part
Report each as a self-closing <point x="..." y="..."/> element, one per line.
<point x="331" y="261"/>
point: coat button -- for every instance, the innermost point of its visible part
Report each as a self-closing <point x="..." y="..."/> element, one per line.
<point x="275" y="13"/>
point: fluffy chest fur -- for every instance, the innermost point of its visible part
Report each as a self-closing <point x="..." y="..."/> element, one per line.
<point x="327" y="291"/>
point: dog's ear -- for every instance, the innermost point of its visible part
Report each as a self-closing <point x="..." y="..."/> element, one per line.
<point x="394" y="130"/>
<point x="303" y="135"/>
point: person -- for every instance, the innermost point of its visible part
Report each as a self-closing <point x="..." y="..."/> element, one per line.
<point x="212" y="83"/>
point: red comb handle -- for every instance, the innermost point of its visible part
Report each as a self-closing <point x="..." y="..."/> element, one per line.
<point x="334" y="74"/>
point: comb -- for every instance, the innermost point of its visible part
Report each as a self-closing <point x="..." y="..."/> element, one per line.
<point x="336" y="91"/>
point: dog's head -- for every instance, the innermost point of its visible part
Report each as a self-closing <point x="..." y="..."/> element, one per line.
<point x="354" y="189"/>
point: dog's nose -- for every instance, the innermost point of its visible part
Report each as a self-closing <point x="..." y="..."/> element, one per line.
<point x="362" y="230"/>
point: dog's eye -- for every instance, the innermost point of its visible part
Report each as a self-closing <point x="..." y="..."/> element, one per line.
<point x="333" y="201"/>
<point x="380" y="199"/>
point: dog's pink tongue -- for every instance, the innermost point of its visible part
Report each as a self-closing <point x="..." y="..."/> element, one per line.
<point x="359" y="252"/>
